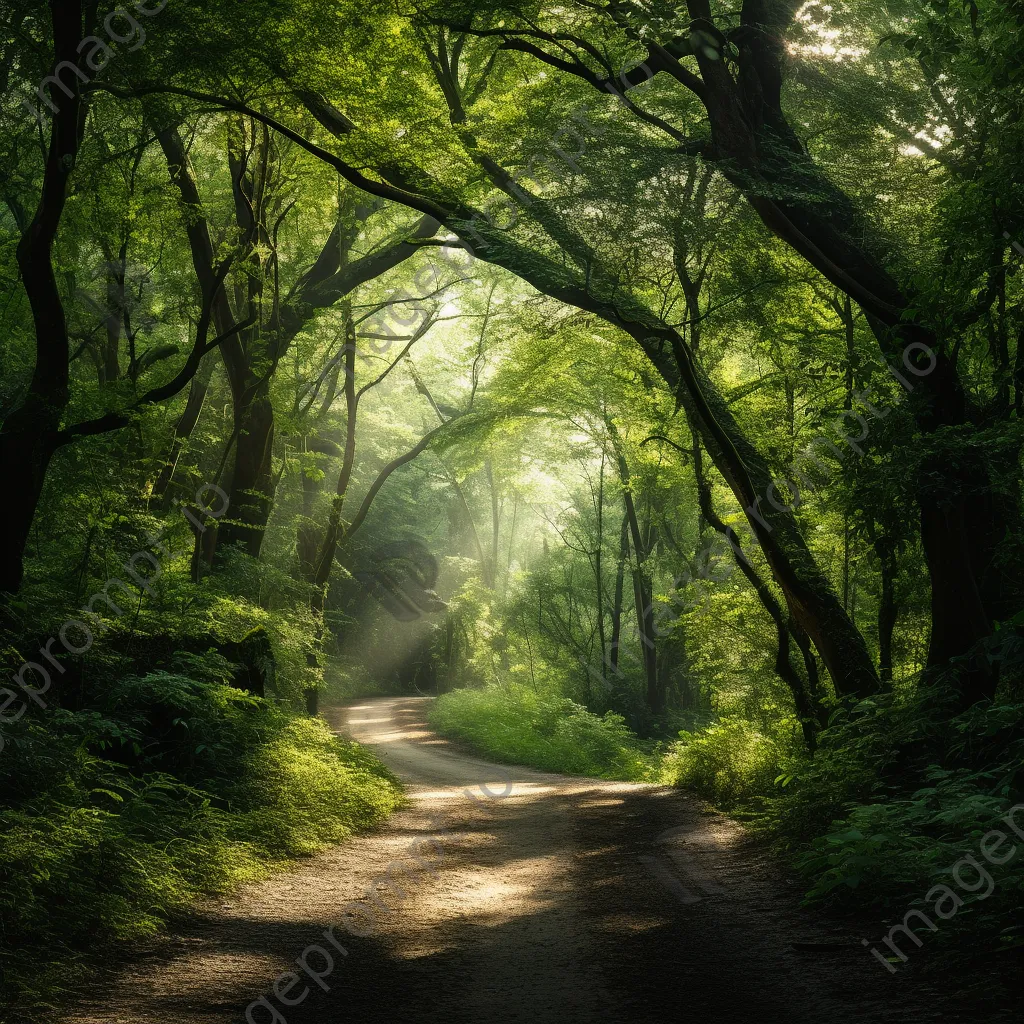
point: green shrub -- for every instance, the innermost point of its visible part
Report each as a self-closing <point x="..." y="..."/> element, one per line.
<point x="875" y="821"/>
<point x="518" y="725"/>
<point x="728" y="763"/>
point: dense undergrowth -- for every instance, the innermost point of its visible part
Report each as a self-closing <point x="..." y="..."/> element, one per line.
<point x="167" y="787"/>
<point x="549" y="732"/>
<point x="871" y="823"/>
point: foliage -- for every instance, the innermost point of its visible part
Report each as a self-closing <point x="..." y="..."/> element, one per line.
<point x="730" y="763"/>
<point x="545" y="731"/>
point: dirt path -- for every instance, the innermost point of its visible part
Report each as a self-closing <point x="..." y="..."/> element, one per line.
<point x="568" y="901"/>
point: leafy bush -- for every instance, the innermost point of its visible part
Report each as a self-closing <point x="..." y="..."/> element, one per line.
<point x="900" y="846"/>
<point x="874" y="820"/>
<point x="728" y="763"/>
<point x="522" y="726"/>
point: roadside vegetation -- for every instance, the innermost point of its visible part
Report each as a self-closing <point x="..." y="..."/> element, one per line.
<point x="159" y="790"/>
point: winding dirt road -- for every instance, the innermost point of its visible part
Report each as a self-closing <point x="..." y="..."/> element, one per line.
<point x="567" y="901"/>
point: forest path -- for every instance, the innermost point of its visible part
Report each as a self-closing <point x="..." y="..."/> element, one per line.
<point x="569" y="901"/>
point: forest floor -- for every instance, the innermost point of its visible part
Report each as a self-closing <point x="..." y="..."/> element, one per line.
<point x="571" y="900"/>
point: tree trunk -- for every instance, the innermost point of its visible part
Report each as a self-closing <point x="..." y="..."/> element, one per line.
<point x="598" y="572"/>
<point x="642" y="593"/>
<point x="1018" y="374"/>
<point x="495" y="521"/>
<point x="110" y="367"/>
<point x="888" y="611"/>
<point x="252" y="483"/>
<point x="27" y="441"/>
<point x="25" y="457"/>
<point x="959" y="620"/>
<point x="187" y="422"/>
<point x="620" y="572"/>
<point x="808" y="711"/>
